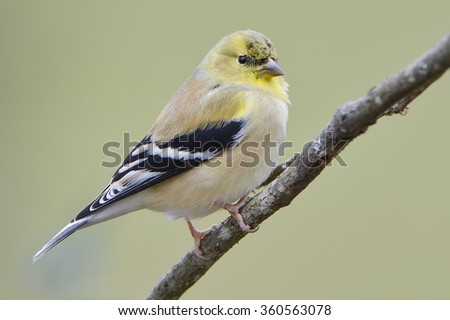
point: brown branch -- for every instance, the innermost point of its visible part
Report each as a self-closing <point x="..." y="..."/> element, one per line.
<point x="350" y="120"/>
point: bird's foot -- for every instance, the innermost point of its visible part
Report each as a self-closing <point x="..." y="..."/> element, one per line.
<point x="233" y="209"/>
<point x="198" y="236"/>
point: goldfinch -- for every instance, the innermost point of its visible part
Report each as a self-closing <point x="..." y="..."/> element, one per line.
<point x="215" y="141"/>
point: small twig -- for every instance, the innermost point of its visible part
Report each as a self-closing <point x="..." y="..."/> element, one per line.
<point x="402" y="106"/>
<point x="350" y="120"/>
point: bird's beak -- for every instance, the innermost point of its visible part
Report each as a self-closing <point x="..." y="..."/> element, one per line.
<point x="270" y="69"/>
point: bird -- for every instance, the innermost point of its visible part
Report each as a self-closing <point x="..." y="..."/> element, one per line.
<point x="215" y="141"/>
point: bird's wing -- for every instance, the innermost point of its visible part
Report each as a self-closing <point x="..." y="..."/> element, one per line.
<point x="152" y="162"/>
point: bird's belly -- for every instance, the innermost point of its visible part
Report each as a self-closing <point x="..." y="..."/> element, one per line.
<point x="225" y="179"/>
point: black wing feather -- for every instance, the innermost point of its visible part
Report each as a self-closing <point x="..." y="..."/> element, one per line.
<point x="156" y="161"/>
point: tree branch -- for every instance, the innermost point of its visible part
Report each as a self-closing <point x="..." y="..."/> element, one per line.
<point x="391" y="96"/>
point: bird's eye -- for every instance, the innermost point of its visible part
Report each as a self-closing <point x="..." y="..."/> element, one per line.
<point x="242" y="59"/>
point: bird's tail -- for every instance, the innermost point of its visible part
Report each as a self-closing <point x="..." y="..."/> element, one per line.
<point x="60" y="236"/>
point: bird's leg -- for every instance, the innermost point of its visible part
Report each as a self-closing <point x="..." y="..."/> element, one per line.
<point x="233" y="209"/>
<point x="198" y="236"/>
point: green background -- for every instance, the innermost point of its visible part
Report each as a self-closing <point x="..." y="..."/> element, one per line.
<point x="77" y="74"/>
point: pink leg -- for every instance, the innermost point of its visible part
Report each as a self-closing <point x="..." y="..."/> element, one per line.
<point x="233" y="209"/>
<point x="198" y="236"/>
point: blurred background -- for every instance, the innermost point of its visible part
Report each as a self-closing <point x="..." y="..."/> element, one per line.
<point x="75" y="75"/>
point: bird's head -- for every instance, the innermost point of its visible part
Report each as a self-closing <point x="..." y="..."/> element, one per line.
<point x="243" y="57"/>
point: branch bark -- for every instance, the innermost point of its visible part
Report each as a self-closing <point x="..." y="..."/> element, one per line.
<point x="391" y="96"/>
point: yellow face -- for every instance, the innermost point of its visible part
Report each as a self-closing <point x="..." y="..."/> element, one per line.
<point x="244" y="57"/>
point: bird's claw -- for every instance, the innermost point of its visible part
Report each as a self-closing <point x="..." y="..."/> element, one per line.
<point x="198" y="236"/>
